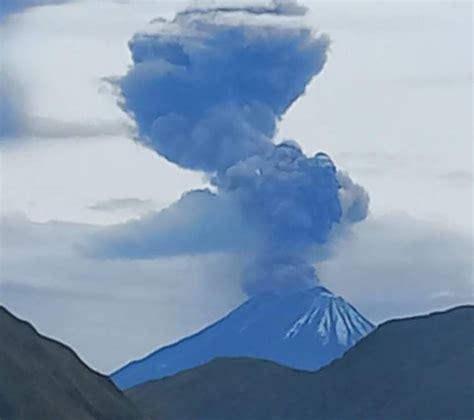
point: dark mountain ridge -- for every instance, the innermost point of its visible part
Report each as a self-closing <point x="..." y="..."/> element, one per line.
<point x="42" y="379"/>
<point x="415" y="368"/>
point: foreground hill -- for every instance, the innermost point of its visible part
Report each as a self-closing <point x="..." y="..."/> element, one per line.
<point x="43" y="379"/>
<point x="304" y="330"/>
<point x="417" y="368"/>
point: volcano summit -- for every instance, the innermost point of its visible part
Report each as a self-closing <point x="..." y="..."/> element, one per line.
<point x="304" y="330"/>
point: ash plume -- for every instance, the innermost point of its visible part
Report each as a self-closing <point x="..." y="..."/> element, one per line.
<point x="206" y="91"/>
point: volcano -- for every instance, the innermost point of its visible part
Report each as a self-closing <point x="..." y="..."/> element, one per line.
<point x="304" y="330"/>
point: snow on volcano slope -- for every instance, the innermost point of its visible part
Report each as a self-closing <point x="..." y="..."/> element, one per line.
<point x="305" y="330"/>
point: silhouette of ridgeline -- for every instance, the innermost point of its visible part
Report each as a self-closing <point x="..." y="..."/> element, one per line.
<point x="43" y="379"/>
<point x="416" y="368"/>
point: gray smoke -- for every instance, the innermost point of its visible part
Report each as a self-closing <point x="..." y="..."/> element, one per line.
<point x="206" y="91"/>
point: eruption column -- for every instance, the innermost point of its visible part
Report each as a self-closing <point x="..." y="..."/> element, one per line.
<point x="206" y="91"/>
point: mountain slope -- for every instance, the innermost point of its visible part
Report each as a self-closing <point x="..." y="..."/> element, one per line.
<point x="304" y="330"/>
<point x="418" y="368"/>
<point x="43" y="379"/>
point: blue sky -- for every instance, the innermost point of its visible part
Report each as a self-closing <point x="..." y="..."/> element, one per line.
<point x="392" y="107"/>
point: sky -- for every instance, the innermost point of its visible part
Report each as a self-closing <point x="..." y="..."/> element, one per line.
<point x="392" y="107"/>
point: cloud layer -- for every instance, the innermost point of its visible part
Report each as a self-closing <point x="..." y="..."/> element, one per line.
<point x="10" y="7"/>
<point x="393" y="266"/>
<point x="118" y="310"/>
<point x="13" y="119"/>
<point x="108" y="311"/>
<point x="199" y="223"/>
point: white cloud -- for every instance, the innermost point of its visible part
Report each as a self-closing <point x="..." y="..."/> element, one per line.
<point x="115" y="310"/>
<point x="122" y="204"/>
<point x="108" y="311"/>
<point x="60" y="179"/>
<point x="395" y="266"/>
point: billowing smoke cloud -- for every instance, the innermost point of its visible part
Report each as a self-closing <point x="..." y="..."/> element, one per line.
<point x="207" y="91"/>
